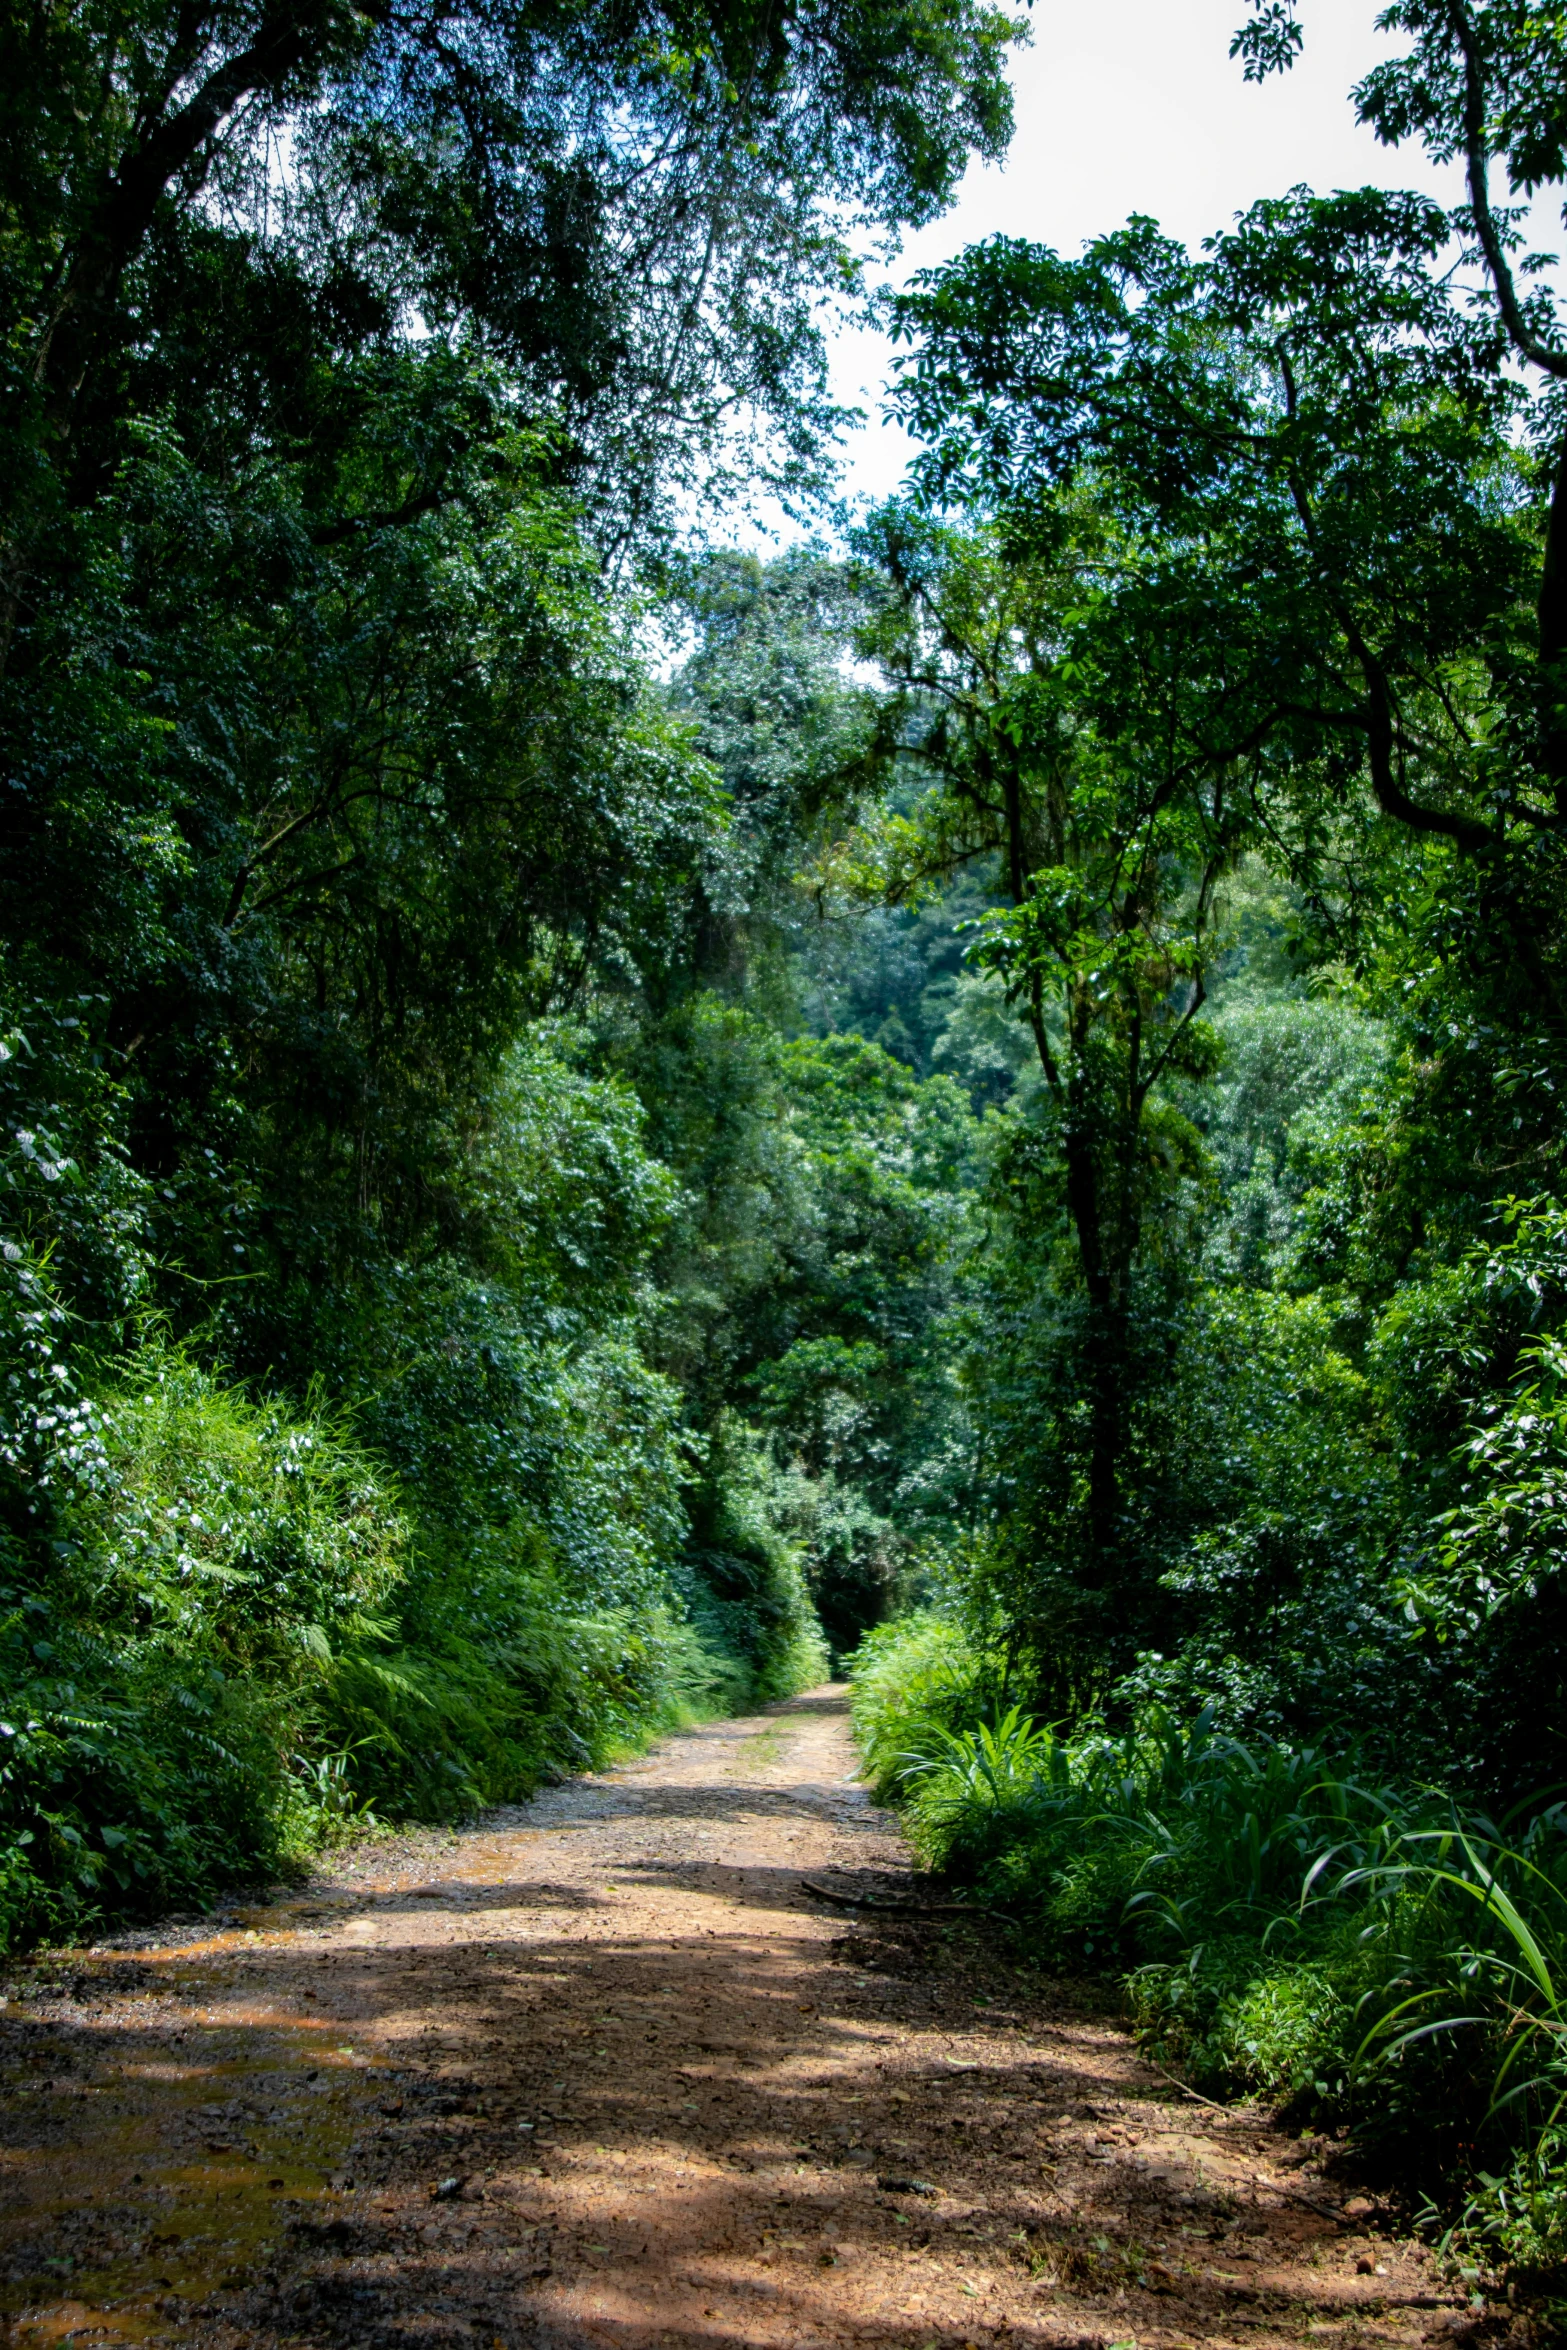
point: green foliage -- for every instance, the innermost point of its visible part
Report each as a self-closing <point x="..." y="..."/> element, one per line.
<point x="1294" y="1074"/>
<point x="773" y="711"/>
<point x="1273" y="1603"/>
<point x="495" y="1682"/>
<point x="913" y="1677"/>
<point x="235" y="1625"/>
<point x="748" y="1588"/>
<point x="246" y="1532"/>
<point x="494" y="188"/>
<point x="170" y="1645"/>
<point x="1026" y="1076"/>
<point x="1516" y="2219"/>
<point x="560" y="1195"/>
<point x="1218" y="620"/>
<point x="810" y="1265"/>
<point x="343" y="823"/>
<point x="1354" y="1948"/>
<point x="133" y="1777"/>
<point x="1108" y="852"/>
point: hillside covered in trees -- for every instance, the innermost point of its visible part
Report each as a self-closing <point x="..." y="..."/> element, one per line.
<point x="998" y="1115"/>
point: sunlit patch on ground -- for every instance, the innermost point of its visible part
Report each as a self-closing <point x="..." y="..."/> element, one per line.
<point x="602" y="2070"/>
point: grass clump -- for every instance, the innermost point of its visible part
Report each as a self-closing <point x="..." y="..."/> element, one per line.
<point x="913" y="1677"/>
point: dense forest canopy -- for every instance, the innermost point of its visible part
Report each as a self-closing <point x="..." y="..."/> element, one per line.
<point x="1001" y="1120"/>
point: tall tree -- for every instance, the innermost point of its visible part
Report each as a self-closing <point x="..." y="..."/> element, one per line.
<point x="1312" y="441"/>
<point x="637" y="210"/>
<point x="345" y="349"/>
<point x="1074" y="777"/>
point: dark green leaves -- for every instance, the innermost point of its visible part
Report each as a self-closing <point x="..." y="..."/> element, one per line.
<point x="1270" y="41"/>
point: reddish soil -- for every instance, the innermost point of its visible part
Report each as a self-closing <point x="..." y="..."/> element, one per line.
<point x="603" y="2070"/>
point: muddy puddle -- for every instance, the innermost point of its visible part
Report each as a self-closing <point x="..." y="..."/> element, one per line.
<point x="163" y="2129"/>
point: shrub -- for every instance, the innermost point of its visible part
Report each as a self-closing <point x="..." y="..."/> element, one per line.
<point x="246" y="1532"/>
<point x="495" y="1680"/>
<point x="164" y="1657"/>
<point x="233" y="1623"/>
<point x="912" y="1678"/>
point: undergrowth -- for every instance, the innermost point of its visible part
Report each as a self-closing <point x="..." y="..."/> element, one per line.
<point x="1366" y="1954"/>
<point x="239" y="1639"/>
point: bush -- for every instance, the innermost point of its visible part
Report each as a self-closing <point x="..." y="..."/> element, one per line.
<point x="912" y="1678"/>
<point x="166" y="1651"/>
<point x="246" y="1532"/>
<point x="132" y="1777"/>
<point x="495" y="1682"/>
<point x="234" y="1623"/>
<point x="232" y="1637"/>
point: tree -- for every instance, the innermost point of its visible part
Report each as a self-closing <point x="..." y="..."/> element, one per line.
<point x="1312" y="442"/>
<point x="635" y="211"/>
<point x="1075" y="779"/>
<point x="346" y="349"/>
<point x="765" y="690"/>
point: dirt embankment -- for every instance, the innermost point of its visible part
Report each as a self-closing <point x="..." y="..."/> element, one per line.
<point x="603" y="2071"/>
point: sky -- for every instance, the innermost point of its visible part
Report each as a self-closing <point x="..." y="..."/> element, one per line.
<point x="1136" y="106"/>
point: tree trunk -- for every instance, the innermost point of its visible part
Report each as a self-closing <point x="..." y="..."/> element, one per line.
<point x="1105" y="1349"/>
<point x="1553" y="638"/>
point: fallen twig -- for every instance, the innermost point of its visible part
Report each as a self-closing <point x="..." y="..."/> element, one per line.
<point x="1312" y="2202"/>
<point x="1328" y="2210"/>
<point x="908" y="1909"/>
<point x="1196" y="2095"/>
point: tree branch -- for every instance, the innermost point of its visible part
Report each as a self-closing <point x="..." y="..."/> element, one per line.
<point x="1477" y="172"/>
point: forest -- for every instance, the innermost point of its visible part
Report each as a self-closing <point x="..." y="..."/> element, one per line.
<point x="598" y="1125"/>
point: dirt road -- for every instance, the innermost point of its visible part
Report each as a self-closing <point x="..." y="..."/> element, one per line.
<point x="602" y="2070"/>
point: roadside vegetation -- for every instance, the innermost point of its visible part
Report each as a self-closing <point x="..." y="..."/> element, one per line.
<point x="1375" y="1959"/>
<point x="457" y="1316"/>
<point x="592" y="1124"/>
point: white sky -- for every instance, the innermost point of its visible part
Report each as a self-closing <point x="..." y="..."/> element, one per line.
<point x="1136" y="106"/>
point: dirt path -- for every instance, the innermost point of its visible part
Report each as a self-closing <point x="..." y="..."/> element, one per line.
<point x="601" y="2071"/>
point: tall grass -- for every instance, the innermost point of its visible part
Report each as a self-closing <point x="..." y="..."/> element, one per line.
<point x="1363" y="1952"/>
